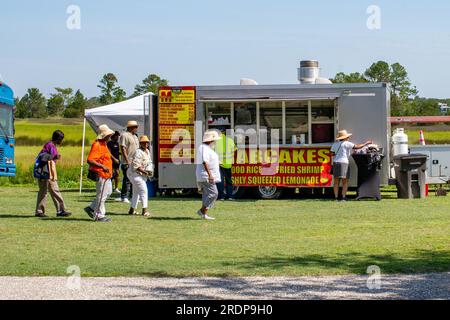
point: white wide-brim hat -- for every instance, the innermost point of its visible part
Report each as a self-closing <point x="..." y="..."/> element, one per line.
<point x="211" y="136"/>
<point x="343" y="134"/>
<point x="104" y="131"/>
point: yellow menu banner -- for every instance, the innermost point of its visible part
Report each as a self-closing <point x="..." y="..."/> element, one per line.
<point x="173" y="95"/>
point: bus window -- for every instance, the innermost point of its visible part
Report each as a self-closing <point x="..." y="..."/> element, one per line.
<point x="6" y="121"/>
<point x="297" y="126"/>
<point x="271" y="118"/>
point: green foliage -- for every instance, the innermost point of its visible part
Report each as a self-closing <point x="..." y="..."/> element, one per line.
<point x="77" y="106"/>
<point x="55" y="105"/>
<point x="111" y="92"/>
<point x="355" y="77"/>
<point x="32" y="105"/>
<point x="150" y="84"/>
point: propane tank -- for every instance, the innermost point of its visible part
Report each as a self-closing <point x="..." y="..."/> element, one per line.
<point x="400" y="142"/>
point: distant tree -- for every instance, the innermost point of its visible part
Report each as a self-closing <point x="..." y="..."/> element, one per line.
<point x="93" y="103"/>
<point x="55" y="105"/>
<point x="21" y="109"/>
<point x="150" y="84"/>
<point x="111" y="92"/>
<point x="119" y="95"/>
<point x="77" y="106"/>
<point x="66" y="94"/>
<point x="355" y="77"/>
<point x="32" y="105"/>
<point x="396" y="75"/>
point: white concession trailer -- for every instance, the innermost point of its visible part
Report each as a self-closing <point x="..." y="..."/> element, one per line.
<point x="284" y="132"/>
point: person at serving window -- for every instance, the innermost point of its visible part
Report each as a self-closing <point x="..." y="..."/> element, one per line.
<point x="342" y="150"/>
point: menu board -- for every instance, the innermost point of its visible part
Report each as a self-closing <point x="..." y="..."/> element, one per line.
<point x="176" y="119"/>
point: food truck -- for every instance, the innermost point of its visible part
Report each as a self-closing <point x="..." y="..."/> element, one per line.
<point x="283" y="133"/>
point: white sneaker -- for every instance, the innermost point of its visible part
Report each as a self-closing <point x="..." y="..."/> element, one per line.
<point x="126" y="200"/>
<point x="117" y="191"/>
<point x="206" y="217"/>
<point x="118" y="199"/>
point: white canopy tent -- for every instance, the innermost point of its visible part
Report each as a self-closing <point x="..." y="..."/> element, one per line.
<point x="116" y="117"/>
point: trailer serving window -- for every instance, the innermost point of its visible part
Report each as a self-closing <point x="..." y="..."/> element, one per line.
<point x="300" y="122"/>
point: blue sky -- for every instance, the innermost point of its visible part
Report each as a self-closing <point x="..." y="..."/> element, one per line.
<point x="203" y="42"/>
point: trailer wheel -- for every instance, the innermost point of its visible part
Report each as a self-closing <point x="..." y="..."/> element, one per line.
<point x="239" y="192"/>
<point x="269" y="193"/>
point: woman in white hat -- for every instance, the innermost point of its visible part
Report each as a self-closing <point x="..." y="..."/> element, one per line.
<point x="342" y="150"/>
<point x="140" y="170"/>
<point x="100" y="170"/>
<point x="208" y="173"/>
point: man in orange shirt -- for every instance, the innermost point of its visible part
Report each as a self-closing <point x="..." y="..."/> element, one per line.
<point x="100" y="167"/>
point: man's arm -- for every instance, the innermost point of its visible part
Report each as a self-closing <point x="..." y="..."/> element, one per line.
<point x="360" y="146"/>
<point x="125" y="154"/>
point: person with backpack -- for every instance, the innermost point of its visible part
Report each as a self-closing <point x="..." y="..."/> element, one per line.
<point x="45" y="173"/>
<point x="342" y="150"/>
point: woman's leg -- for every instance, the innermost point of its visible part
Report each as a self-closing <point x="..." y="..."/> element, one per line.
<point x="135" y="194"/>
<point x="344" y="188"/>
<point x="210" y="195"/>
<point x="336" y="188"/>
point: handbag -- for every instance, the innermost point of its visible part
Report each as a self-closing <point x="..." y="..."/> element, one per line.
<point x="93" y="176"/>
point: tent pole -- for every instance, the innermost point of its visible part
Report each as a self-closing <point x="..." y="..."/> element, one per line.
<point x="82" y="156"/>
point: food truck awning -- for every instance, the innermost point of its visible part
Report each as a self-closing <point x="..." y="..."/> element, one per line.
<point x="284" y="96"/>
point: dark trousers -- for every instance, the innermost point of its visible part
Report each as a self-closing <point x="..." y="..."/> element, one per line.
<point x="127" y="188"/>
<point x="225" y="187"/>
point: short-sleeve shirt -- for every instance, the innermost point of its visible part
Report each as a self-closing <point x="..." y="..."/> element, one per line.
<point x="343" y="151"/>
<point x="130" y="142"/>
<point x="100" y="153"/>
<point x="207" y="155"/>
<point x="113" y="147"/>
<point x="50" y="148"/>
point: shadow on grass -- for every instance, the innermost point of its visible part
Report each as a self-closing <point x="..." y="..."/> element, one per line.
<point x="173" y="219"/>
<point x="420" y="261"/>
<point x="14" y="216"/>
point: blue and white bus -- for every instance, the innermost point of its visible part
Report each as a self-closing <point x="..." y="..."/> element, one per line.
<point x="7" y="166"/>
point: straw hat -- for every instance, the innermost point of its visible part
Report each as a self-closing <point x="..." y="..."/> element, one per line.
<point x="211" y="136"/>
<point x="144" y="139"/>
<point x="343" y="134"/>
<point x="104" y="131"/>
<point x="132" y="124"/>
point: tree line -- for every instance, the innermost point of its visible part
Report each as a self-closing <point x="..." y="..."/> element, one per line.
<point x="68" y="103"/>
<point x="404" y="96"/>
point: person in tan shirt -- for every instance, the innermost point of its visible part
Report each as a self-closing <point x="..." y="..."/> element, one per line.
<point x="129" y="143"/>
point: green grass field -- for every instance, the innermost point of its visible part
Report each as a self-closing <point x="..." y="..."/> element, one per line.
<point x="249" y="238"/>
<point x="36" y="132"/>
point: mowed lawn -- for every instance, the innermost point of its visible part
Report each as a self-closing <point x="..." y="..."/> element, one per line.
<point x="249" y="238"/>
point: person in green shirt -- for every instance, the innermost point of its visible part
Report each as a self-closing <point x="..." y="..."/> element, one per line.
<point x="225" y="148"/>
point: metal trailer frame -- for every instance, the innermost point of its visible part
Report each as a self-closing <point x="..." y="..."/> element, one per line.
<point x="363" y="109"/>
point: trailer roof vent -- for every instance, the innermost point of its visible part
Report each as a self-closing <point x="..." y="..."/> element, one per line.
<point x="309" y="73"/>
<point x="248" y="82"/>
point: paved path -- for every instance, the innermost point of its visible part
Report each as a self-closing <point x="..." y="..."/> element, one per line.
<point x="425" y="286"/>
